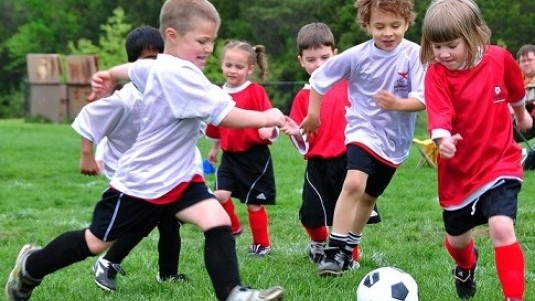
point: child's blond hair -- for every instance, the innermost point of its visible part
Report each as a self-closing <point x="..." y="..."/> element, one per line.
<point x="448" y="20"/>
<point x="256" y="54"/>
<point x="182" y="15"/>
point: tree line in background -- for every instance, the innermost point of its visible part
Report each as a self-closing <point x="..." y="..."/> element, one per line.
<point x="99" y="27"/>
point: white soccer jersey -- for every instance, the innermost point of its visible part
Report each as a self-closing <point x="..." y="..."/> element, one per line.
<point x="177" y="99"/>
<point x="369" y="70"/>
<point x="112" y="124"/>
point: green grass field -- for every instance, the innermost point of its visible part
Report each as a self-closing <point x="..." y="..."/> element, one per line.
<point x="43" y="195"/>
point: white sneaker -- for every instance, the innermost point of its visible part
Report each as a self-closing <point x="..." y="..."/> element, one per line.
<point x="240" y="293"/>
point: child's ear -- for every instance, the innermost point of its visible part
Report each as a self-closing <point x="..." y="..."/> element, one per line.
<point x="335" y="51"/>
<point x="300" y="59"/>
<point x="170" y="34"/>
<point x="251" y="69"/>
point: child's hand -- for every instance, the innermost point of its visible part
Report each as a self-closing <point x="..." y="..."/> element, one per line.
<point x="270" y="133"/>
<point x="447" y="147"/>
<point x="385" y="100"/>
<point x="275" y="117"/>
<point x="291" y="128"/>
<point x="88" y="166"/>
<point x="102" y="85"/>
<point x="212" y="155"/>
<point x="310" y="125"/>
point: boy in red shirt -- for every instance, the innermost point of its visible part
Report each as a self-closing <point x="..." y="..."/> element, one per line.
<point x="325" y="151"/>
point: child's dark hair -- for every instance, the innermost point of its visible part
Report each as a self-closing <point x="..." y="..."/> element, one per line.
<point x="257" y="54"/>
<point x="140" y="38"/>
<point x="314" y="35"/>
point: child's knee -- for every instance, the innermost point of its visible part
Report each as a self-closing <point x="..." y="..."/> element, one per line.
<point x="94" y="244"/>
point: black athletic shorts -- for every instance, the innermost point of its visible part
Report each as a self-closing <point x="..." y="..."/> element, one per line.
<point x="500" y="200"/>
<point x="379" y="174"/>
<point x="117" y="213"/>
<point x="322" y="185"/>
<point x="248" y="175"/>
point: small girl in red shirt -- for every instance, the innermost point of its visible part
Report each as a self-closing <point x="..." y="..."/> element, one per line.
<point x="246" y="168"/>
<point x="469" y="86"/>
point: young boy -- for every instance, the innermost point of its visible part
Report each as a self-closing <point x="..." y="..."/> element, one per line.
<point x="159" y="168"/>
<point x="112" y="123"/>
<point x="385" y="79"/>
<point x="326" y="153"/>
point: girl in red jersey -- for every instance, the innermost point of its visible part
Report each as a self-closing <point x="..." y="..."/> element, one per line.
<point x="469" y="86"/>
<point x="246" y="169"/>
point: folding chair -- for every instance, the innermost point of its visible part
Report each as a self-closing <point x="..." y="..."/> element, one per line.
<point x="428" y="151"/>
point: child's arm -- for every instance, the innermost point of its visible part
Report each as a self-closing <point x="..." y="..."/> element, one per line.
<point x="523" y="120"/>
<point x="241" y="118"/>
<point x="88" y="165"/>
<point x="104" y="82"/>
<point x="388" y="101"/>
<point x="312" y="121"/>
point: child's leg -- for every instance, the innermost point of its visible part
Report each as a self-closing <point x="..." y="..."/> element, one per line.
<point x="224" y="197"/>
<point x="220" y="247"/>
<point x="461" y="249"/>
<point x="345" y="212"/>
<point x="169" y="246"/>
<point x="64" y="250"/>
<point x="258" y="221"/>
<point x="509" y="257"/>
<point x="124" y="245"/>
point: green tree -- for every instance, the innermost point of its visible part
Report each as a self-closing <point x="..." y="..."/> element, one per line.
<point x="110" y="49"/>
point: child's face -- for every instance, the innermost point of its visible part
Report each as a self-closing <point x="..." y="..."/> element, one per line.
<point x="387" y="30"/>
<point x="452" y="54"/>
<point x="236" y="67"/>
<point x="148" y="53"/>
<point x="312" y="58"/>
<point x="195" y="45"/>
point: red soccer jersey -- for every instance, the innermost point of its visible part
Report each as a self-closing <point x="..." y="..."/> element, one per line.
<point x="329" y="141"/>
<point x="252" y="97"/>
<point x="474" y="103"/>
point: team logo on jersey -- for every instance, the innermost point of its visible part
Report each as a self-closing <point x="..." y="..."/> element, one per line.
<point x="499" y="95"/>
<point x="402" y="83"/>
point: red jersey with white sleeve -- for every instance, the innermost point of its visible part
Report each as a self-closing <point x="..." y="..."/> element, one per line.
<point x="474" y="103"/>
<point x="329" y="140"/>
<point x="250" y="96"/>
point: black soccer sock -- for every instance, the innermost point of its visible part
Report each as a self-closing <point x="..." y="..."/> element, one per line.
<point x="353" y="240"/>
<point x="122" y="247"/>
<point x="221" y="261"/>
<point x="64" y="250"/>
<point x="337" y="241"/>
<point x="168" y="246"/>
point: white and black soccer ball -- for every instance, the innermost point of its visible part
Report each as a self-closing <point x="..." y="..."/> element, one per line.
<point x="387" y="284"/>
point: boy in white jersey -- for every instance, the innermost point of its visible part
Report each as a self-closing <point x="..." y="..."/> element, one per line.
<point x="159" y="169"/>
<point x="113" y="124"/>
<point x="385" y="79"/>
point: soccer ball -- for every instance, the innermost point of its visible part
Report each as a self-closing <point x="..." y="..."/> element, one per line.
<point x="387" y="284"/>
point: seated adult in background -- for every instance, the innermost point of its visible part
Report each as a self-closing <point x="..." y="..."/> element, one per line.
<point x="526" y="60"/>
